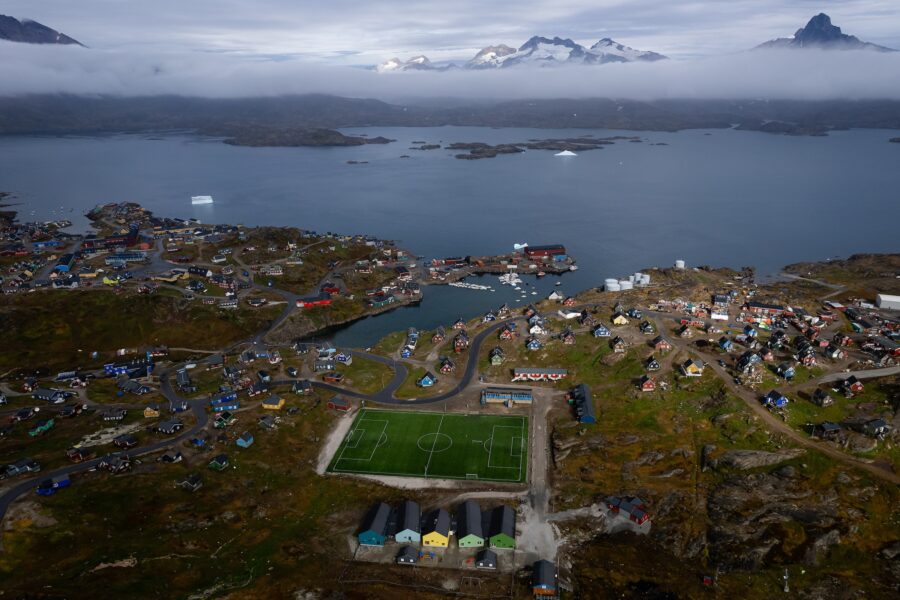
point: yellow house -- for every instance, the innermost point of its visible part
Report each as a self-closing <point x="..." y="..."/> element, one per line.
<point x="619" y="319"/>
<point x="108" y="281"/>
<point x="436" y="532"/>
<point x="88" y="274"/>
<point x="692" y="368"/>
<point x="273" y="403"/>
<point x="151" y="411"/>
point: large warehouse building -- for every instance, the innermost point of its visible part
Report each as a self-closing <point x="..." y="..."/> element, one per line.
<point x="887" y="301"/>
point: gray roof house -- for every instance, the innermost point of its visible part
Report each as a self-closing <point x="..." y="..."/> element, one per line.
<point x="469" y="532"/>
<point x="409" y="517"/>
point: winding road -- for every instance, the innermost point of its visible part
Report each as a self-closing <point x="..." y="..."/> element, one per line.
<point x="386" y="396"/>
<point x="198" y="407"/>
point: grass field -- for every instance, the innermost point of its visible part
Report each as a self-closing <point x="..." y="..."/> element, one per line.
<point x="435" y="445"/>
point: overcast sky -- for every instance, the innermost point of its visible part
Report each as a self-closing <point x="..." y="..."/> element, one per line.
<point x="369" y="31"/>
<point x="269" y="47"/>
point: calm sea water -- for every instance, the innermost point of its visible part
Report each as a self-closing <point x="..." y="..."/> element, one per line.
<point x="709" y="197"/>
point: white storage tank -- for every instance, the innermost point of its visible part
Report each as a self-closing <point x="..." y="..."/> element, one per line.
<point x="631" y="278"/>
<point x="613" y="287"/>
<point x="679" y="264"/>
<point x="626" y="285"/>
<point x="610" y="280"/>
<point x="645" y="279"/>
<point x="637" y="276"/>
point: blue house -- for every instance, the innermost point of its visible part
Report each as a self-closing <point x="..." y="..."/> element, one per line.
<point x="405" y="353"/>
<point x="409" y="518"/>
<point x="373" y="531"/>
<point x="583" y="404"/>
<point x="246" y="440"/>
<point x="775" y="398"/>
<point x="427" y="380"/>
<point x="345" y="358"/>
<point x="543" y="578"/>
<point x="48" y="487"/>
<point x="787" y="371"/>
<point x="224" y="401"/>
<point x="533" y="344"/>
<point x="750" y="331"/>
<point x="601" y="331"/>
<point x="725" y="344"/>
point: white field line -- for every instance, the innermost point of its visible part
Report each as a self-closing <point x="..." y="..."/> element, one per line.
<point x="491" y="451"/>
<point x="433" y="444"/>
<point x="374" y="448"/>
<point x="354" y="438"/>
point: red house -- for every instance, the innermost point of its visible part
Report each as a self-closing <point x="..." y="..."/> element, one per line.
<point x="647" y="384"/>
<point x="338" y="403"/>
<point x="760" y="308"/>
<point x="323" y="299"/>
<point x="632" y="507"/>
<point x="545" y="251"/>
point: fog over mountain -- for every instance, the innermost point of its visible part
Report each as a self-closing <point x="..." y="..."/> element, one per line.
<point x="813" y="74"/>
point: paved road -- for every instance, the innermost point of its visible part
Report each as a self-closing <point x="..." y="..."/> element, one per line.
<point x="386" y="396"/>
<point x="198" y="409"/>
<point x="198" y="406"/>
<point x="866" y="374"/>
<point x="777" y="425"/>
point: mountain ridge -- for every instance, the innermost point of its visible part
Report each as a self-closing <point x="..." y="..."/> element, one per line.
<point x="537" y="50"/>
<point x="27" y="31"/>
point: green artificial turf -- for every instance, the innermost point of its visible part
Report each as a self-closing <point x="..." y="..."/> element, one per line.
<point x="435" y="445"/>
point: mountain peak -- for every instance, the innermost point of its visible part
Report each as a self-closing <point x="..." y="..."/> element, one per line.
<point x="537" y="51"/>
<point x="31" y="32"/>
<point x="819" y="32"/>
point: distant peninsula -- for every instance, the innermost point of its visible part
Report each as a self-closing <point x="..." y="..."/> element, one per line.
<point x="258" y="137"/>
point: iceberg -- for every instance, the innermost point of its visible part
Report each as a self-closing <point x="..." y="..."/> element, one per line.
<point x="201" y="200"/>
<point x="565" y="153"/>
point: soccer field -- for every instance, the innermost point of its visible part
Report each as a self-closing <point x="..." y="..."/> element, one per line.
<point x="437" y="445"/>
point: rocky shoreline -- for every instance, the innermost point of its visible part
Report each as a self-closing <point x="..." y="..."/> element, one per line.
<point x="478" y="150"/>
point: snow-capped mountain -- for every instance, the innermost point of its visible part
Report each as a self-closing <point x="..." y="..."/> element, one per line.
<point x="416" y="63"/>
<point x="820" y="33"/>
<point x="490" y="57"/>
<point x="540" y="51"/>
<point x="612" y="51"/>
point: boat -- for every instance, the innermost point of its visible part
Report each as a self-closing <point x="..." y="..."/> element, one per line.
<point x="573" y="268"/>
<point x="559" y="283"/>
<point x="201" y="200"/>
<point x="541" y="274"/>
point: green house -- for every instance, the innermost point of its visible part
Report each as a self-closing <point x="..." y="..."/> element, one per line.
<point x="224" y="420"/>
<point x="219" y="463"/>
<point x="41" y="427"/>
<point x="501" y="527"/>
<point x="468" y="525"/>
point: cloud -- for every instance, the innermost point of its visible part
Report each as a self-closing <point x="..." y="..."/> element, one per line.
<point x="445" y="30"/>
<point x="28" y="69"/>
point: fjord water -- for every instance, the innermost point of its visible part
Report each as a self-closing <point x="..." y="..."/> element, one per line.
<point x="719" y="197"/>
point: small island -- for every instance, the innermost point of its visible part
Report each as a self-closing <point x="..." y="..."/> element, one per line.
<point x="481" y="150"/>
<point x="260" y="137"/>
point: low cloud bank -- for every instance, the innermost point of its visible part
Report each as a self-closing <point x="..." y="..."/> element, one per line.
<point x="799" y="75"/>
